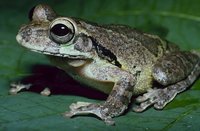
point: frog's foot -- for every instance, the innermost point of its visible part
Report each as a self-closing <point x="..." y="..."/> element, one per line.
<point x="156" y="97"/>
<point x="15" y="88"/>
<point x="81" y="108"/>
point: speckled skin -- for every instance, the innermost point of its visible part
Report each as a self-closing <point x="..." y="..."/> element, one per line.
<point x="115" y="59"/>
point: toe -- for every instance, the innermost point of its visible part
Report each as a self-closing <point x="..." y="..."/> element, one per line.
<point x="137" y="109"/>
<point x="159" y="105"/>
<point x="141" y="99"/>
<point x="143" y="106"/>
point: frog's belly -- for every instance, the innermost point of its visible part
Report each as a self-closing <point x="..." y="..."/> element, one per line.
<point x="94" y="75"/>
<point x="103" y="86"/>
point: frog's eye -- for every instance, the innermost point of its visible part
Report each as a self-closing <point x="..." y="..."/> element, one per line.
<point x="62" y="31"/>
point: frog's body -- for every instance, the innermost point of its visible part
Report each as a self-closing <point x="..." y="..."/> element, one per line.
<point x="145" y="49"/>
<point x="115" y="59"/>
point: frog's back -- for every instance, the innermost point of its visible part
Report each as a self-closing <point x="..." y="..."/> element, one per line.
<point x="131" y="47"/>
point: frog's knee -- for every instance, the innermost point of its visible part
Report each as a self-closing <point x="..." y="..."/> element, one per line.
<point x="160" y="76"/>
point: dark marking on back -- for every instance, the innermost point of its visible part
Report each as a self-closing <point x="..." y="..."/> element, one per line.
<point x="149" y="43"/>
<point x="105" y="53"/>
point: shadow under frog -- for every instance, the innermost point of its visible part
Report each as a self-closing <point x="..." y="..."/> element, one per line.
<point x="55" y="79"/>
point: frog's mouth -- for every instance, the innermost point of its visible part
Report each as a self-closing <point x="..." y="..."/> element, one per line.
<point x="60" y="54"/>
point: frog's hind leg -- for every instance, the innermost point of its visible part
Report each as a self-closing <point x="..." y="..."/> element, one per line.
<point x="177" y="71"/>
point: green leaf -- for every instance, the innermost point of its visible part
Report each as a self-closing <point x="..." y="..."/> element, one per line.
<point x="177" y="21"/>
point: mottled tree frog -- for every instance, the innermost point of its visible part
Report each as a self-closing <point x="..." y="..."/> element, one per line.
<point x="93" y="54"/>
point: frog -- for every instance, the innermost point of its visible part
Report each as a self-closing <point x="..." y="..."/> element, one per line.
<point x="118" y="60"/>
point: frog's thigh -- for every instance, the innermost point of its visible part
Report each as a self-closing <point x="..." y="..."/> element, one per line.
<point x="179" y="70"/>
<point x="174" y="67"/>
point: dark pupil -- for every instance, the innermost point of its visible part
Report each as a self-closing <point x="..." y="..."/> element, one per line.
<point x="60" y="30"/>
<point x="30" y="14"/>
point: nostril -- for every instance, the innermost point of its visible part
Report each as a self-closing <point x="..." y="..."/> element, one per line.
<point x="27" y="31"/>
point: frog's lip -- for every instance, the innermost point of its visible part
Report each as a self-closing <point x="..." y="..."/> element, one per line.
<point x="60" y="55"/>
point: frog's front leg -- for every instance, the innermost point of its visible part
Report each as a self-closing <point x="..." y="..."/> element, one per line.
<point x="176" y="72"/>
<point x="116" y="102"/>
<point x="15" y="88"/>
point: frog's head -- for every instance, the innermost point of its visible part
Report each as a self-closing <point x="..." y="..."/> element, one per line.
<point x="52" y="35"/>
